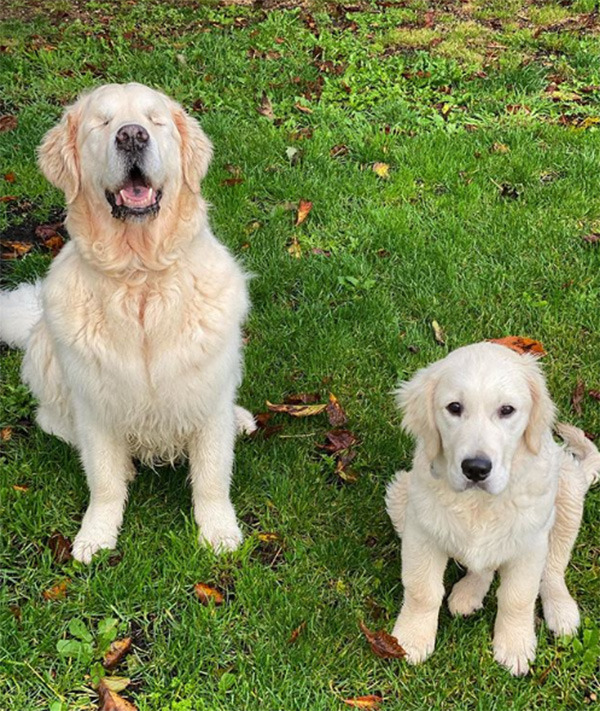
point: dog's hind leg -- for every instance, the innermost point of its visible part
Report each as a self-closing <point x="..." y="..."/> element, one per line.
<point x="468" y="593"/>
<point x="560" y="609"/>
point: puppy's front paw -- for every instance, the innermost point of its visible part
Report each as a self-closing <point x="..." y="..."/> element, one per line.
<point x="415" y="636"/>
<point x="244" y="421"/>
<point x="219" y="528"/>
<point x="515" y="652"/>
<point x="87" y="542"/>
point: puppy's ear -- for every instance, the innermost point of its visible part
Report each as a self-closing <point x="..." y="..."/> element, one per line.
<point x="196" y="149"/>
<point x="57" y="155"/>
<point x="543" y="410"/>
<point x="415" y="399"/>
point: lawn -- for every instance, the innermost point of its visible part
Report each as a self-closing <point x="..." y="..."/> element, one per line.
<point x="451" y="153"/>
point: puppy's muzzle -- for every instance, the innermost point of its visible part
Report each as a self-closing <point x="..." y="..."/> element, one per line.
<point x="476" y="469"/>
<point x="132" y="138"/>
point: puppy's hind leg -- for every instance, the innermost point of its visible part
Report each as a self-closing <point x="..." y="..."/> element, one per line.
<point x="560" y="609"/>
<point x="468" y="593"/>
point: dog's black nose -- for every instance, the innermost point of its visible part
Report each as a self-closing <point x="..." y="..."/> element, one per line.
<point x="476" y="469"/>
<point x="132" y="137"/>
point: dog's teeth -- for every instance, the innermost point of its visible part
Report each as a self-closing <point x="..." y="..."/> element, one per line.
<point x="150" y="196"/>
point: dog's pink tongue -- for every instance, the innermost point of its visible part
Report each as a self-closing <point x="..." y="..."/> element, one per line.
<point x="135" y="194"/>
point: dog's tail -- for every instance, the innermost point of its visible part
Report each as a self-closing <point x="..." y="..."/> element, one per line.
<point x="583" y="449"/>
<point x="20" y="310"/>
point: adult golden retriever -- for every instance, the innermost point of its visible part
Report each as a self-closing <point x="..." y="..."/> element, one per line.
<point x="490" y="488"/>
<point x="133" y="340"/>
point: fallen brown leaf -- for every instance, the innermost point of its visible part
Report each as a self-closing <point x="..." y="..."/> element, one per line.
<point x="8" y="198"/>
<point x="296" y="633"/>
<point x="577" y="397"/>
<point x="304" y="109"/>
<point x="54" y="244"/>
<point x="592" y="238"/>
<point x="57" y="592"/>
<point x="335" y="413"/>
<point x="500" y="148"/>
<point x="111" y="701"/>
<point x="521" y="345"/>
<point x="304" y="207"/>
<point x="9" y="177"/>
<point x="7" y="123"/>
<point x="372" y="701"/>
<point x="438" y="333"/>
<point x="60" y="547"/>
<point x="266" y="107"/>
<point x="19" y="487"/>
<point x="269" y="537"/>
<point x="595" y="394"/>
<point x="263" y="429"/>
<point x="6" y="433"/>
<point x="14" y="248"/>
<point x="205" y="593"/>
<point x="343" y="459"/>
<point x="117" y="651"/>
<point x="302" y="398"/>
<point x="339" y="150"/>
<point x="228" y="182"/>
<point x="298" y="410"/>
<point x="337" y="441"/>
<point x="382" y="644"/>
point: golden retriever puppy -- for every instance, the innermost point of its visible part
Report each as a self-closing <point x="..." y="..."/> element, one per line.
<point x="133" y="340"/>
<point x="490" y="488"/>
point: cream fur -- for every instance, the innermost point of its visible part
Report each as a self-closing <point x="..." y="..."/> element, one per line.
<point x="137" y="352"/>
<point x="521" y="521"/>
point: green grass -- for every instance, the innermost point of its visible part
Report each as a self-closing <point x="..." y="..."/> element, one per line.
<point x="487" y="242"/>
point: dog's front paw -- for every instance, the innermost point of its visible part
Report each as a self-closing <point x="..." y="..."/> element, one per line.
<point x="515" y="652"/>
<point x="244" y="421"/>
<point x="219" y="528"/>
<point x="88" y="542"/>
<point x="561" y="615"/>
<point x="415" y="636"/>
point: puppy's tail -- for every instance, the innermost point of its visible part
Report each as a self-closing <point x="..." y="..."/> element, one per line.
<point x="20" y="310"/>
<point x="584" y="450"/>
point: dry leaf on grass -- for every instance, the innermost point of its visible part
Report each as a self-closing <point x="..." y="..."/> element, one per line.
<point x="335" y="413"/>
<point x="294" y="248"/>
<point x="372" y="701"/>
<point x="109" y="700"/>
<point x="266" y="107"/>
<point x="337" y="441"/>
<point x="205" y="593"/>
<point x="19" y="487"/>
<point x="6" y="433"/>
<point x="296" y="633"/>
<point x="116" y="652"/>
<point x="595" y="394"/>
<point x="341" y="466"/>
<point x="521" y="345"/>
<point x="298" y="410"/>
<point x="9" y="177"/>
<point x="13" y="249"/>
<point x="577" y="397"/>
<point x="382" y="644"/>
<point x="7" y="123"/>
<point x="60" y="546"/>
<point x="592" y="238"/>
<point x="228" y="182"/>
<point x="302" y="398"/>
<point x="438" y="333"/>
<point x="56" y="592"/>
<point x="304" y="207"/>
<point x="263" y="429"/>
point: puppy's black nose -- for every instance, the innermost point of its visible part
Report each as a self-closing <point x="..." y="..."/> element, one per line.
<point x="476" y="469"/>
<point x="132" y="137"/>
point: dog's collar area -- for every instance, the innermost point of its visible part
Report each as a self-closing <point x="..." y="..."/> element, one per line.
<point x="136" y="198"/>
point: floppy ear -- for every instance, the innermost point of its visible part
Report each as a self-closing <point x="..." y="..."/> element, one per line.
<point x="543" y="410"/>
<point x="57" y="155"/>
<point x="196" y="149"/>
<point x="415" y="399"/>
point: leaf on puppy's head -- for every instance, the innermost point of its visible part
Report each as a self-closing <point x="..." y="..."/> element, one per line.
<point x="382" y="644"/>
<point x="521" y="344"/>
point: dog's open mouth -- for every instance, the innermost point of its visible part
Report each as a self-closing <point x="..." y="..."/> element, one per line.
<point x="135" y="198"/>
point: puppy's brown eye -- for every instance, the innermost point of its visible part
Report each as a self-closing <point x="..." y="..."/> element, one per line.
<point x="506" y="410"/>
<point x="455" y="408"/>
